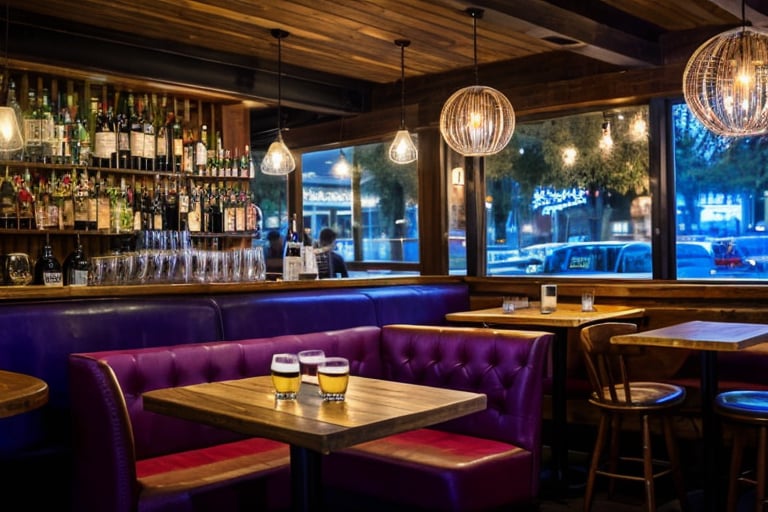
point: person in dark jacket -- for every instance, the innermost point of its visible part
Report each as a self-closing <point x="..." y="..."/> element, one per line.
<point x="329" y="262"/>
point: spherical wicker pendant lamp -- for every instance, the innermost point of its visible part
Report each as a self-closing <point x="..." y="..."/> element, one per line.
<point x="725" y="82"/>
<point x="477" y="120"/>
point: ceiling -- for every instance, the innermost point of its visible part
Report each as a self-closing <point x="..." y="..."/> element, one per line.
<point x="339" y="50"/>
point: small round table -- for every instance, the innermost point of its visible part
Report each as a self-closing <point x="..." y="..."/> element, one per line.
<point x="20" y="393"/>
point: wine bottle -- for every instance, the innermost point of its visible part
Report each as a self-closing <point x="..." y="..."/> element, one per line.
<point x="47" y="268"/>
<point x="162" y="139"/>
<point x="201" y="152"/>
<point x="292" y="263"/>
<point x="76" y="267"/>
<point x="104" y="138"/>
<point x="172" y="207"/>
<point x="136" y="127"/>
<point x="122" y="122"/>
<point x="8" y="207"/>
<point x="148" y="113"/>
<point x="178" y="143"/>
<point x="180" y="210"/>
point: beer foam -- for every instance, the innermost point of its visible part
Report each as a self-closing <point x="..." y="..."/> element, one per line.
<point x="281" y="367"/>
<point x="334" y="370"/>
<point x="312" y="359"/>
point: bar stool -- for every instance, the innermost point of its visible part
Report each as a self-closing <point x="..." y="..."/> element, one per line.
<point x="746" y="409"/>
<point x="618" y="397"/>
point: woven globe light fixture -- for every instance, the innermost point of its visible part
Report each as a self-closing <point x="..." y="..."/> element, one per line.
<point x="477" y="120"/>
<point x="725" y="82"/>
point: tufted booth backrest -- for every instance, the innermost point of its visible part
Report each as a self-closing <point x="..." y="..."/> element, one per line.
<point x="138" y="371"/>
<point x="507" y="365"/>
<point x="112" y="430"/>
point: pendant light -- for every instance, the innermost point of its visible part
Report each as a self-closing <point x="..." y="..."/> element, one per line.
<point x="725" y="82"/>
<point x="278" y="161"/>
<point x="402" y="150"/>
<point x="477" y="120"/>
<point x="10" y="132"/>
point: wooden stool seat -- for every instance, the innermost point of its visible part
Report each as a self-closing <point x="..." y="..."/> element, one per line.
<point x="618" y="397"/>
<point x="746" y="409"/>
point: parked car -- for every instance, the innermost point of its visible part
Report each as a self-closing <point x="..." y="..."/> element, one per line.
<point x="588" y="259"/>
<point x="528" y="260"/>
<point x="695" y="260"/>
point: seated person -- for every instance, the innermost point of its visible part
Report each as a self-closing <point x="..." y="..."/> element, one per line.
<point x="329" y="262"/>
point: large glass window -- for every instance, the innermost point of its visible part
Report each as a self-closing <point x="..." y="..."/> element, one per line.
<point x="569" y="197"/>
<point x="369" y="201"/>
<point x="721" y="201"/>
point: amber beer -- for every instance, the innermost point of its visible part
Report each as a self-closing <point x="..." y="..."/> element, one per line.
<point x="333" y="378"/>
<point x="286" y="376"/>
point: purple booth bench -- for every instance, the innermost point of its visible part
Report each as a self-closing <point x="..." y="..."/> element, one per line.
<point x="38" y="336"/>
<point x="128" y="459"/>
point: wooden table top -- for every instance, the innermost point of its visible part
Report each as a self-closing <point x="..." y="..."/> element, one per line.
<point x="373" y="409"/>
<point x="566" y="315"/>
<point x="700" y="335"/>
<point x="20" y="393"/>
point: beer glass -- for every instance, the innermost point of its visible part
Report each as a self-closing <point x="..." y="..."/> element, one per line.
<point x="286" y="377"/>
<point x="333" y="377"/>
<point x="308" y="360"/>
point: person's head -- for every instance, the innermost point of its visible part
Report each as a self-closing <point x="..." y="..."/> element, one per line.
<point x="327" y="237"/>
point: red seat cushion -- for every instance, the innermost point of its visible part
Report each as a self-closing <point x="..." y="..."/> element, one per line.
<point x="207" y="468"/>
<point x="435" y="470"/>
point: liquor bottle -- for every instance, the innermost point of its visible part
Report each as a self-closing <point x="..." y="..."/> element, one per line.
<point x="188" y="150"/>
<point x="63" y="130"/>
<point x="158" y="208"/>
<point x="201" y="152"/>
<point x="12" y="102"/>
<point x="94" y="187"/>
<point x="216" y="215"/>
<point x="136" y="128"/>
<point x="146" y="209"/>
<point x="172" y="206"/>
<point x="32" y="129"/>
<point x="8" y="207"/>
<point x="47" y="128"/>
<point x="229" y="210"/>
<point x="62" y="195"/>
<point x="76" y="267"/>
<point x="138" y="217"/>
<point x="104" y="207"/>
<point x="292" y="262"/>
<point x="47" y="267"/>
<point x="194" y="216"/>
<point x="81" y="202"/>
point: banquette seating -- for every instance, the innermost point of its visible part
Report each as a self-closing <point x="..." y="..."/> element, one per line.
<point x="38" y="336"/>
<point x="130" y="459"/>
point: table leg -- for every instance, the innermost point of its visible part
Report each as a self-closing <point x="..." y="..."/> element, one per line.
<point x="711" y="437"/>
<point x="306" y="479"/>
<point x="558" y="443"/>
